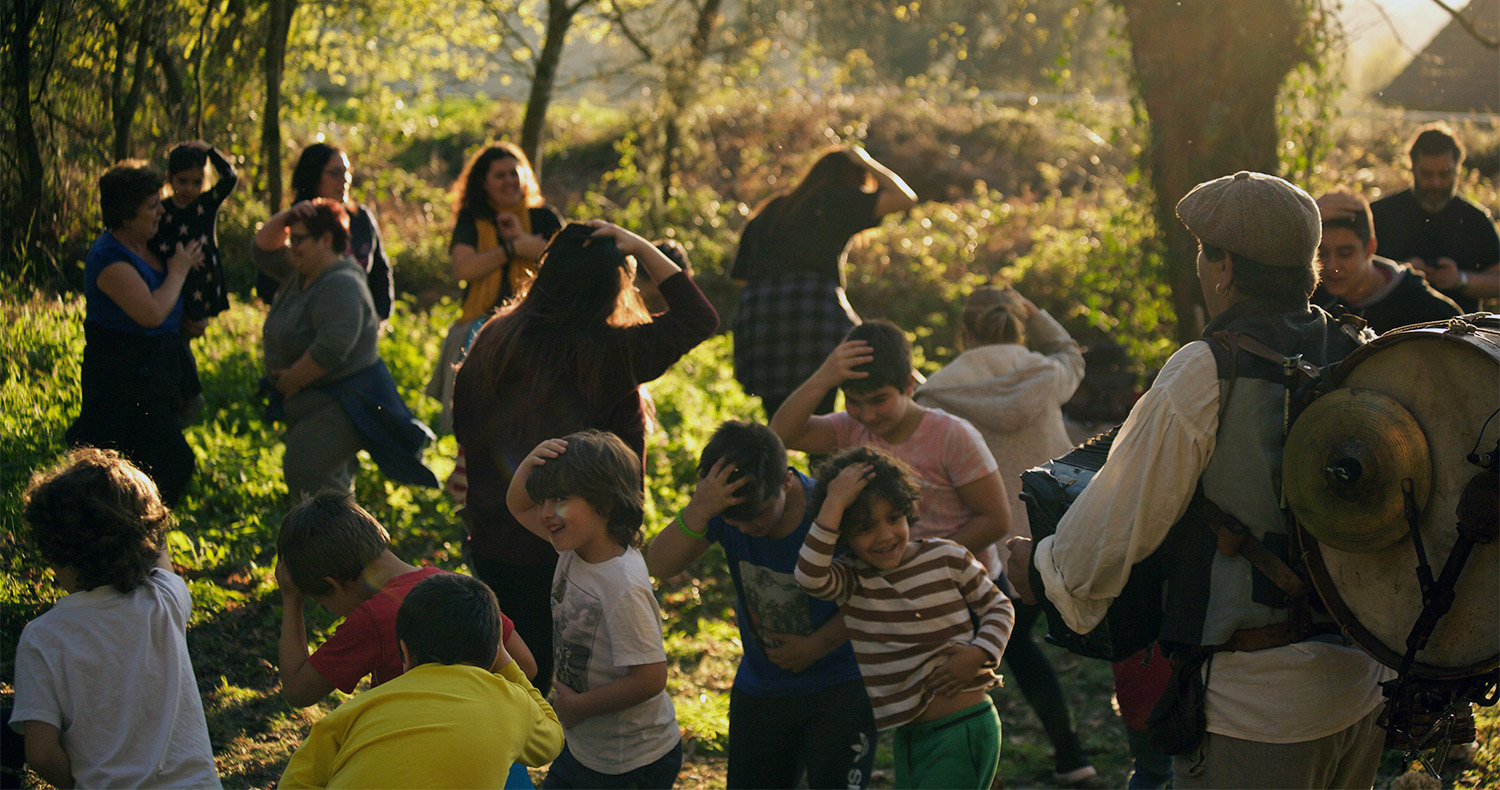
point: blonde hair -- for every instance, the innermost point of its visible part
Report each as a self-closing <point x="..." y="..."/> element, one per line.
<point x="994" y="314"/>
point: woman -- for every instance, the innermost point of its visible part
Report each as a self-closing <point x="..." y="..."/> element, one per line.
<point x="500" y="228"/>
<point x="571" y="355"/>
<point x="1014" y="397"/>
<point x="1286" y="704"/>
<point x="137" y="376"/>
<point x="335" y="395"/>
<point x="792" y="311"/>
<point x="323" y="171"/>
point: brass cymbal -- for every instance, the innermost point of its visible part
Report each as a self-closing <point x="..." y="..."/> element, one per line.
<point x="1344" y="464"/>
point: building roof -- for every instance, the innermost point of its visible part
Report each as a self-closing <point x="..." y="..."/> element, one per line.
<point x="1455" y="73"/>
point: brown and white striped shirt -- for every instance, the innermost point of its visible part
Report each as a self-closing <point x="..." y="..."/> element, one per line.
<point x="900" y="620"/>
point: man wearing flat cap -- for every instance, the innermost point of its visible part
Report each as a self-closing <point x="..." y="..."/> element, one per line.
<point x="1356" y="281"/>
<point x="1288" y="701"/>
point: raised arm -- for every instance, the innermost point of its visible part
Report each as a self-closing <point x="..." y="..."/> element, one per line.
<point x="817" y="574"/>
<point x="301" y="685"/>
<point x="228" y="178"/>
<point x="894" y="194"/>
<point x="795" y="422"/>
<point x="674" y="549"/>
<point x="526" y="510"/>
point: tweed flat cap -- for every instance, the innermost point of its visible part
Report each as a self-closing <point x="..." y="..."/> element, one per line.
<point x="1257" y="216"/>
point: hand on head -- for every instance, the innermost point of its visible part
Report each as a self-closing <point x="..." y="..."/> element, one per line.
<point x="840" y="365"/>
<point x="849" y="483"/>
<point x="1339" y="205"/>
<point x="716" y="492"/>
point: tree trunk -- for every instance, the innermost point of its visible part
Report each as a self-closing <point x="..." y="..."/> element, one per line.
<point x="280" y="25"/>
<point x="123" y="103"/>
<point x="1208" y="74"/>
<point x="682" y="85"/>
<point x="21" y="210"/>
<point x="559" y="19"/>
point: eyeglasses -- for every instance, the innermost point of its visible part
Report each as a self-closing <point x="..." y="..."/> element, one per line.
<point x="298" y="238"/>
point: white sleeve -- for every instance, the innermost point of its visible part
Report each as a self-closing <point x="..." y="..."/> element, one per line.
<point x="1144" y="488"/>
<point x="36" y="688"/>
<point x="634" y="626"/>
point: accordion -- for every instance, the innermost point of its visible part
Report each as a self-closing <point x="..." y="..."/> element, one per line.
<point x="1134" y="618"/>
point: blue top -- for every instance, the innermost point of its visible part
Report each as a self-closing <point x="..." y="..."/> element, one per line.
<point x="767" y="599"/>
<point x="102" y="310"/>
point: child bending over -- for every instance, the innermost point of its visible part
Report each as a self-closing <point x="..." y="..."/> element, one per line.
<point x="105" y="692"/>
<point x="459" y="716"/>
<point x="583" y="493"/>
<point x="907" y="606"/>
<point x="331" y="550"/>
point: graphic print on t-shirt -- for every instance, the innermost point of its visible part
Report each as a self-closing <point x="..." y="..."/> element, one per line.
<point x="775" y="602"/>
<point x="576" y="616"/>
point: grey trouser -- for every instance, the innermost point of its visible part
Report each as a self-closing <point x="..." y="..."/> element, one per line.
<point x="1345" y="759"/>
<point x="322" y="447"/>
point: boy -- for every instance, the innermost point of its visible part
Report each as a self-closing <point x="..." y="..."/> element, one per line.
<point x="458" y="716"/>
<point x="907" y="605"/>
<point x="105" y="692"/>
<point x="191" y="215"/>
<point x="797" y="702"/>
<point x="333" y="551"/>
<point x="963" y="498"/>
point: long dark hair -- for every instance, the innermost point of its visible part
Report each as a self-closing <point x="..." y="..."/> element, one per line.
<point x="833" y="169"/>
<point x="309" y="170"/>
<point x="468" y="189"/>
<point x="547" y="344"/>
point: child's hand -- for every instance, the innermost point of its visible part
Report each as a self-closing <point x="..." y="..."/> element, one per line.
<point x="840" y="365"/>
<point x="291" y="594"/>
<point x="792" y="652"/>
<point x="544" y="452"/>
<point x="965" y="664"/>
<point x="715" y="493"/>
<point x="564" y="704"/>
<point x="847" y="486"/>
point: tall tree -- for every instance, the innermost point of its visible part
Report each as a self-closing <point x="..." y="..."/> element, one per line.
<point x="278" y="25"/>
<point x="1209" y="74"/>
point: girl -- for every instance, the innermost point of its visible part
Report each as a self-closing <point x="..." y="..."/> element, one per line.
<point x="583" y="493"/>
<point x="570" y="356"/>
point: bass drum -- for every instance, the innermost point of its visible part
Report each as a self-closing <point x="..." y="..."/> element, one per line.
<point x="1447" y="377"/>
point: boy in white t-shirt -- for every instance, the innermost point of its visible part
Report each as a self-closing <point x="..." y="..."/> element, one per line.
<point x="583" y="493"/>
<point x="963" y="497"/>
<point x="105" y="692"/>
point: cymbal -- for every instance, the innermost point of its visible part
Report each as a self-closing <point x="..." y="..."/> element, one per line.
<point x="1344" y="465"/>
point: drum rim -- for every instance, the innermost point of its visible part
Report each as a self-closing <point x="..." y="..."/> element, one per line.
<point x="1476" y="327"/>
<point x="1351" y="627"/>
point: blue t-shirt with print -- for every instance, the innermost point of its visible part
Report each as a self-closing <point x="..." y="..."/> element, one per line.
<point x="768" y="600"/>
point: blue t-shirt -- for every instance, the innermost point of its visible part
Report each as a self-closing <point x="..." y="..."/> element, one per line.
<point x="767" y="599"/>
<point x="102" y="310"/>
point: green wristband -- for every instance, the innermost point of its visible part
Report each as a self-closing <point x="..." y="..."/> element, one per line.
<point x="682" y="525"/>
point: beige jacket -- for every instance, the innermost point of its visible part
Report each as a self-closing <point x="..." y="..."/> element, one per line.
<point x="1014" y="396"/>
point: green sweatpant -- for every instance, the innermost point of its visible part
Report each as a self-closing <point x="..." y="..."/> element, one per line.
<point x="959" y="750"/>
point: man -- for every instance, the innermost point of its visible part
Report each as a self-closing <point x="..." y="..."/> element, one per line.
<point x="1446" y="237"/>
<point x="1358" y="282"/>
<point x="1288" y="703"/>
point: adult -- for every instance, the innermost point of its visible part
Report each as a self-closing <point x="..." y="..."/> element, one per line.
<point x="331" y="390"/>
<point x="570" y="355"/>
<point x="138" y="376"/>
<point x="500" y="227"/>
<point x="792" y="308"/>
<point x="1287" y="704"/>
<point x="1429" y="225"/>
<point x="1356" y="281"/>
<point x="1013" y="396"/>
<point x="323" y="171"/>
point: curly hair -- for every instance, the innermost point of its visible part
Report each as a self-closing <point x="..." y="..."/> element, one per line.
<point x="468" y="190"/>
<point x="601" y="470"/>
<point x="100" y="515"/>
<point x="892" y="481"/>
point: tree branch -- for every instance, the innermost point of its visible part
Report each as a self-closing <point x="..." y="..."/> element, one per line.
<point x="1468" y="25"/>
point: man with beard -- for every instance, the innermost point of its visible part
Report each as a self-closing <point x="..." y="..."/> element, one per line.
<point x="1446" y="237"/>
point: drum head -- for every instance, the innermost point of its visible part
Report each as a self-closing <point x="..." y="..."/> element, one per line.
<point x="1450" y="384"/>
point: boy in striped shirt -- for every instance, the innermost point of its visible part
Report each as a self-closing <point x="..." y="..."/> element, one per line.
<point x="907" y="607"/>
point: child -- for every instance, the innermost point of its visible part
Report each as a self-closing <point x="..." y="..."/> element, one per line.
<point x="797" y="701"/>
<point x="191" y="215"/>
<point x="458" y="716"/>
<point x="963" y="498"/>
<point x="907" y="606"/>
<point x="583" y="493"/>
<point x="333" y="551"/>
<point x="105" y="692"/>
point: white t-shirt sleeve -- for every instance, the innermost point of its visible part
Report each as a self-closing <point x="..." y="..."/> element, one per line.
<point x="37" y="688"/>
<point x="634" y="625"/>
